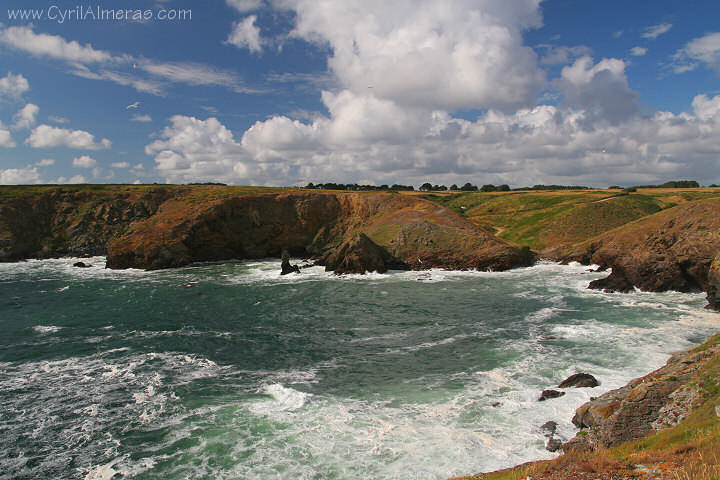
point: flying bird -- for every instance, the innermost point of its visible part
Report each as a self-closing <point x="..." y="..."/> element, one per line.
<point x="134" y="105"/>
<point x="134" y="64"/>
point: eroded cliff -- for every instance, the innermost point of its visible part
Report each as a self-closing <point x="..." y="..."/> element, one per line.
<point x="312" y="224"/>
<point x="670" y="250"/>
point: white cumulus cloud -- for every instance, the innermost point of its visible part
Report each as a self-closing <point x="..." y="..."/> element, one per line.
<point x="45" y="162"/>
<point x="246" y="35"/>
<point x="19" y="176"/>
<point x="12" y="86"/>
<point x="429" y="53"/>
<point x="25" y="118"/>
<point x="6" y="139"/>
<point x="84" y="161"/>
<point x="638" y="51"/>
<point x="120" y="165"/>
<point x="23" y="38"/>
<point x="45" y="136"/>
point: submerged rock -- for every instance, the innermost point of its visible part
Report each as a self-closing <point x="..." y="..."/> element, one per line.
<point x="81" y="265"/>
<point x="579" y="380"/>
<point x="548" y="394"/>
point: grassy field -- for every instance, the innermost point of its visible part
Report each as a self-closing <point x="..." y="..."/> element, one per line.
<point x="538" y="219"/>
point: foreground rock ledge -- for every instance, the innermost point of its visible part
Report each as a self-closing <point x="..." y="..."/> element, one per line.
<point x="659" y="400"/>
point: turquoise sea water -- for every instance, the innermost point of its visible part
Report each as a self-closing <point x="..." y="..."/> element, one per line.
<point x="234" y="372"/>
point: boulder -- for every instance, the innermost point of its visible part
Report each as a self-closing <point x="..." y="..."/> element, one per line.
<point x="81" y="265"/>
<point x="579" y="380"/>
<point x="553" y="445"/>
<point x="359" y="255"/>
<point x="550" y="427"/>
<point x="548" y="394"/>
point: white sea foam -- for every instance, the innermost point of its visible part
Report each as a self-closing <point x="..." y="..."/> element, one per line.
<point x="45" y="329"/>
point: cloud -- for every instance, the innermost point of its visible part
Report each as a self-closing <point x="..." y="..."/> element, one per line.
<point x="705" y="49"/>
<point x="45" y="136"/>
<point x="120" y="165"/>
<point x="24" y="39"/>
<point x="19" y="176"/>
<point x="84" y="162"/>
<point x="141" y="118"/>
<point x="431" y="54"/>
<point x="193" y="74"/>
<point x="638" y="51"/>
<point x="559" y="55"/>
<point x="655" y="31"/>
<point x="12" y="86"/>
<point x="6" y="139"/>
<point x="87" y="62"/>
<point x="25" y="118"/>
<point x="246" y="35"/>
<point x="60" y="120"/>
<point x="243" y="6"/>
<point x="45" y="162"/>
<point x="75" y="179"/>
<point x="600" y="90"/>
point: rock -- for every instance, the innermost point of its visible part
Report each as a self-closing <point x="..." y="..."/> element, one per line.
<point x="553" y="444"/>
<point x="361" y="254"/>
<point x="579" y="380"/>
<point x="548" y="394"/>
<point x="285" y="265"/>
<point x="713" y="286"/>
<point x="81" y="265"/>
<point x="669" y="250"/>
<point x="656" y="401"/>
<point x="550" y="427"/>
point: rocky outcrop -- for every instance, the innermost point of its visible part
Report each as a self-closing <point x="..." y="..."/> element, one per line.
<point x="670" y="250"/>
<point x="359" y="255"/>
<point x="54" y="222"/>
<point x="658" y="400"/>
<point x="713" y="285"/>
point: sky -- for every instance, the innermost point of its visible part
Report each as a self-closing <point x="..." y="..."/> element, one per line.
<point x="286" y="92"/>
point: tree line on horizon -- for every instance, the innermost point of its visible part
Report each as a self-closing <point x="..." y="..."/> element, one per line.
<point x="469" y="187"/>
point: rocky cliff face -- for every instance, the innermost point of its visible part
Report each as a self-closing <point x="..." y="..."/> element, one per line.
<point x="659" y="400"/>
<point x="309" y="224"/>
<point x="671" y="250"/>
<point x="713" y="287"/>
<point x="63" y="221"/>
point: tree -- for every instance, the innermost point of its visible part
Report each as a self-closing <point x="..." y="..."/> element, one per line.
<point x="503" y="188"/>
<point x="488" y="188"/>
<point x="426" y="187"/>
<point x="468" y="187"/>
<point x="454" y="187"/>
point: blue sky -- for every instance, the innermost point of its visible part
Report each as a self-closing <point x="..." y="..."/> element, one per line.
<point x="280" y="92"/>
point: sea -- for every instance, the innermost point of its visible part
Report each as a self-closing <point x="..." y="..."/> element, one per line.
<point x="232" y="371"/>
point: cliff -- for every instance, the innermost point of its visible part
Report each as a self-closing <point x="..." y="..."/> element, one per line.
<point x="670" y="250"/>
<point x="170" y="226"/>
<point x="313" y="224"/>
<point x="713" y="287"/>
<point x="54" y="222"/>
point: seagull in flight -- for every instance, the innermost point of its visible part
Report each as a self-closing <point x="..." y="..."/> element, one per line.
<point x="134" y="105"/>
<point x="135" y="65"/>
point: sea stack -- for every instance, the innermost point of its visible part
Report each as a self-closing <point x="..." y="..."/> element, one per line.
<point x="285" y="265"/>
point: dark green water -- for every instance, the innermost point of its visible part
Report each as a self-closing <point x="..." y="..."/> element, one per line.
<point x="233" y="372"/>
